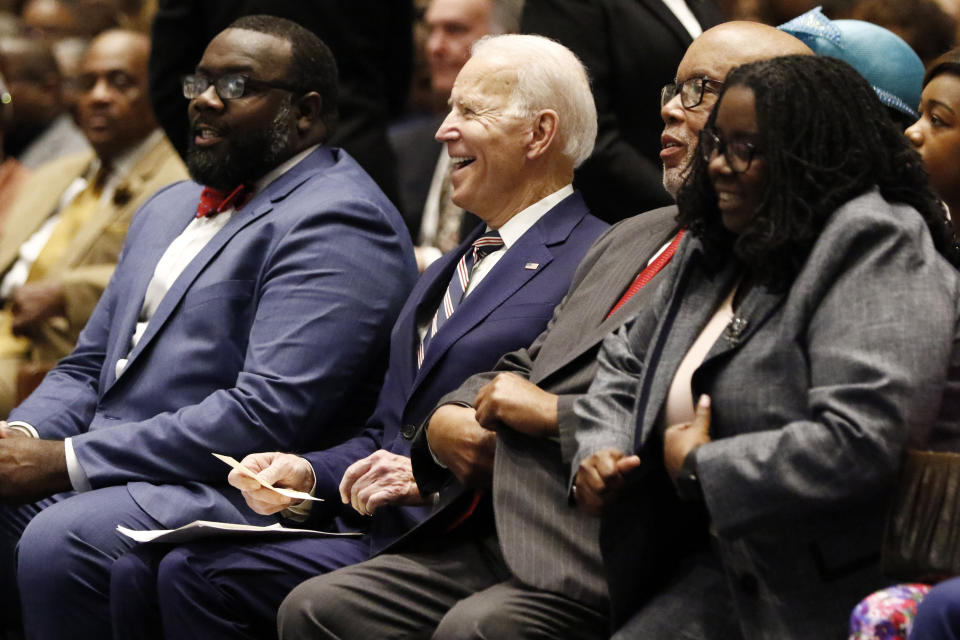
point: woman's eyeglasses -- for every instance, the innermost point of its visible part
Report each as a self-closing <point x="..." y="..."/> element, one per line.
<point x="738" y="153"/>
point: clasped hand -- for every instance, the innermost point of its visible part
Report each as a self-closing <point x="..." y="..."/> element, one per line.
<point x="380" y="479"/>
<point x="601" y="475"/>
<point x="515" y="402"/>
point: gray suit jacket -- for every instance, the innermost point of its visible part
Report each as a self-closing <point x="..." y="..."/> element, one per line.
<point x="547" y="543"/>
<point x="815" y="394"/>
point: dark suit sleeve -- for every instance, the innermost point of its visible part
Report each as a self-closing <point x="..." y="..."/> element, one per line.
<point x="605" y="413"/>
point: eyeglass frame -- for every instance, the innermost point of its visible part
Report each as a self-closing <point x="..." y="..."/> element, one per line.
<point x="721" y="146"/>
<point x="704" y="84"/>
<point x="247" y="85"/>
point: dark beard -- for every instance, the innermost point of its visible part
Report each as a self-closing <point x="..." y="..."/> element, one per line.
<point x="245" y="158"/>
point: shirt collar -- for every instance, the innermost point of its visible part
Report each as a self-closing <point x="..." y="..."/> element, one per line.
<point x="282" y="168"/>
<point x="512" y="229"/>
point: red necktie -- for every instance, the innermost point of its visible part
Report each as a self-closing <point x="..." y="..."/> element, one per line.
<point x="474" y="503"/>
<point x="648" y="272"/>
<point x="214" y="201"/>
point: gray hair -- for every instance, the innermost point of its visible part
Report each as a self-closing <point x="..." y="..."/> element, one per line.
<point x="505" y="16"/>
<point x="549" y="76"/>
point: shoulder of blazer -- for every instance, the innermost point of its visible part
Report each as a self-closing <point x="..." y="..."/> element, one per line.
<point x="37" y="199"/>
<point x="161" y="157"/>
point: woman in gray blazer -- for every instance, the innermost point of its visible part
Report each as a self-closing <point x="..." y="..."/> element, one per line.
<point x="812" y="312"/>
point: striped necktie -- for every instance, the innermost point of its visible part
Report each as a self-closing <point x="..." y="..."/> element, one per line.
<point x="481" y="248"/>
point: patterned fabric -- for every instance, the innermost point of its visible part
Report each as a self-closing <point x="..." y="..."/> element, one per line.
<point x="887" y="614"/>
<point x="482" y="247"/>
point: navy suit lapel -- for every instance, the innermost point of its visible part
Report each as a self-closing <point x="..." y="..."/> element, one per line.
<point x="512" y="272"/>
<point x="429" y="291"/>
<point x="261" y="204"/>
<point x="128" y="315"/>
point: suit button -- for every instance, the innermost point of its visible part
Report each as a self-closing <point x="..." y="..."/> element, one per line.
<point x="408" y="431"/>
<point x="748" y="583"/>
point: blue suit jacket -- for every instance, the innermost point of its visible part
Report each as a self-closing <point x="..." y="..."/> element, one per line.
<point x="505" y="312"/>
<point x="273" y="337"/>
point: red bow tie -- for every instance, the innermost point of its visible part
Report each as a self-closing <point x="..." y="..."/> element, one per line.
<point x="214" y="201"/>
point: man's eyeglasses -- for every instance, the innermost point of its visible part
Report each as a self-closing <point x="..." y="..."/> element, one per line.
<point x="228" y="87"/>
<point x="691" y="91"/>
<point x="738" y="153"/>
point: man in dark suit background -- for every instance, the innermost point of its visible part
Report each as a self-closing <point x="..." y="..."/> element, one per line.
<point x="551" y="557"/>
<point x="630" y="48"/>
<point x="514" y="145"/>
<point x="258" y="319"/>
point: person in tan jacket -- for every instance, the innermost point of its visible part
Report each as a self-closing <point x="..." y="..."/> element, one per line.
<point x="62" y="237"/>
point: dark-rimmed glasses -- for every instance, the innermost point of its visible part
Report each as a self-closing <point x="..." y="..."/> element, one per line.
<point x="229" y="86"/>
<point x="738" y="153"/>
<point x="691" y="91"/>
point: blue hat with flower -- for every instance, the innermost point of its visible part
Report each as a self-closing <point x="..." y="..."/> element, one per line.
<point x="881" y="56"/>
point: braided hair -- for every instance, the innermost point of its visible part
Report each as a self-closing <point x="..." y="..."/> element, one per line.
<point x="826" y="139"/>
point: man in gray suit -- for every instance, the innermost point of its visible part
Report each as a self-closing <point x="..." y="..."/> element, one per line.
<point x="540" y="546"/>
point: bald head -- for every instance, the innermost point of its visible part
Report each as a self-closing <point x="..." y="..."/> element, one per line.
<point x="712" y="56"/>
<point x="731" y="44"/>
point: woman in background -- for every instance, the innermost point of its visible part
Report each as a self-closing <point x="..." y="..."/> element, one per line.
<point x="936" y="135"/>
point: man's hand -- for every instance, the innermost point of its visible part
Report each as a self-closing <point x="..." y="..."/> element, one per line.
<point x="517" y="403"/>
<point x="279" y="469"/>
<point x="600" y="477"/>
<point x="34" y="302"/>
<point x="680" y="439"/>
<point x="380" y="479"/>
<point x="31" y="468"/>
<point x="459" y="442"/>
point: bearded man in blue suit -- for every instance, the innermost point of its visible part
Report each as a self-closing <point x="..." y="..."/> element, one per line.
<point x="522" y="116"/>
<point x="257" y="319"/>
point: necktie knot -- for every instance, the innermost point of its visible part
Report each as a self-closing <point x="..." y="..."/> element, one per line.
<point x="214" y="201"/>
<point x="485" y="245"/>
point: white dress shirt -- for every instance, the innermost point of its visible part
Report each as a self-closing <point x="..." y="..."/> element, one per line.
<point x="685" y="16"/>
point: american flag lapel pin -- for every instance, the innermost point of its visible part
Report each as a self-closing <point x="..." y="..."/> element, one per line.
<point x="532" y="266"/>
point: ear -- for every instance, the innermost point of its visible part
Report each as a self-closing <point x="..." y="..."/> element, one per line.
<point x="307" y="110"/>
<point x="543" y="131"/>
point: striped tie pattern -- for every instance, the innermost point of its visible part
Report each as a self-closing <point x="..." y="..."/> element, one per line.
<point x="481" y="248"/>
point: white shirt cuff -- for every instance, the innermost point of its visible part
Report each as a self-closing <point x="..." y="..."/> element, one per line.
<point x="24" y="427"/>
<point x="78" y="478"/>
